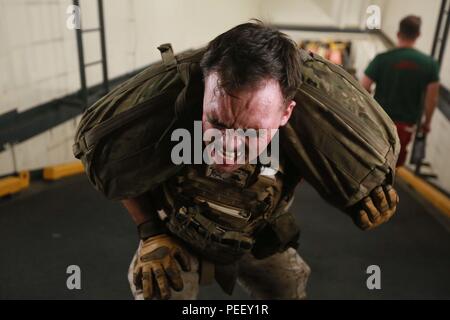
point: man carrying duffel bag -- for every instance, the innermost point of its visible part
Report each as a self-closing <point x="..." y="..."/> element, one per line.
<point x="226" y="219"/>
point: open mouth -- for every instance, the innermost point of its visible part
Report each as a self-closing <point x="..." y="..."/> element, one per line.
<point x="229" y="156"/>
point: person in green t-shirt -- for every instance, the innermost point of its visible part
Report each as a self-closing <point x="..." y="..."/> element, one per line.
<point x="406" y="82"/>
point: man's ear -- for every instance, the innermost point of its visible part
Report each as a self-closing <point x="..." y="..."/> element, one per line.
<point x="287" y="112"/>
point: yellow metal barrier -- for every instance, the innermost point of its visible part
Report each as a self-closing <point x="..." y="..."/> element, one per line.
<point x="434" y="196"/>
<point x="14" y="184"/>
<point x="63" y="170"/>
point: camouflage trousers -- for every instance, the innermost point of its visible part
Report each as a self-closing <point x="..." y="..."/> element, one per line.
<point x="280" y="276"/>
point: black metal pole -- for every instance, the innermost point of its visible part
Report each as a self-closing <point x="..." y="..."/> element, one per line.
<point x="438" y="27"/>
<point x="103" y="45"/>
<point x="83" y="90"/>
<point x="444" y="37"/>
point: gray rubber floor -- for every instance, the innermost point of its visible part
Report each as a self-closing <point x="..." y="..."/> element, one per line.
<point x="54" y="225"/>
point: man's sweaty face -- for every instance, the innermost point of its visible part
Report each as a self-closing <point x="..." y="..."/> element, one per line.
<point x="260" y="107"/>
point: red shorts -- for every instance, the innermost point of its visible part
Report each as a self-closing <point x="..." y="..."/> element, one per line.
<point x="405" y="132"/>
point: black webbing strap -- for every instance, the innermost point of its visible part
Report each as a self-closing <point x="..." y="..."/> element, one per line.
<point x="167" y="55"/>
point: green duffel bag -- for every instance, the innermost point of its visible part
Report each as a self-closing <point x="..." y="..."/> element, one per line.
<point x="340" y="139"/>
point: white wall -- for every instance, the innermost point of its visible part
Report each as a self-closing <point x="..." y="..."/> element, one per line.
<point x="297" y="12"/>
<point x="136" y="28"/>
<point x="350" y="13"/>
<point x="37" y="53"/>
<point x="337" y="13"/>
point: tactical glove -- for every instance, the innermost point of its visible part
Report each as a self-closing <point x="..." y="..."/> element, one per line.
<point x="377" y="208"/>
<point x="157" y="268"/>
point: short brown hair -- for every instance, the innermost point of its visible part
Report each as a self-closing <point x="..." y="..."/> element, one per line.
<point x="410" y="27"/>
<point x="251" y="52"/>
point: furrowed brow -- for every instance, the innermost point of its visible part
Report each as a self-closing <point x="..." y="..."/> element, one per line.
<point x="215" y="122"/>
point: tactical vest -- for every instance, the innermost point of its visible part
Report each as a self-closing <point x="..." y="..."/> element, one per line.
<point x="221" y="214"/>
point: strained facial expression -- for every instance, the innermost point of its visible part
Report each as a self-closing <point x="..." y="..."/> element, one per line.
<point x="257" y="111"/>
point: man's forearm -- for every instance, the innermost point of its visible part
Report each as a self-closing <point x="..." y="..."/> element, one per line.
<point x="366" y="82"/>
<point x="431" y="100"/>
<point x="430" y="106"/>
<point x="136" y="211"/>
<point x="140" y="209"/>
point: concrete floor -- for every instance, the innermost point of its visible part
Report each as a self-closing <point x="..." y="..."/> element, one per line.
<point x="54" y="225"/>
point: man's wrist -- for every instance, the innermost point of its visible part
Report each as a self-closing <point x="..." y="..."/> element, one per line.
<point x="151" y="228"/>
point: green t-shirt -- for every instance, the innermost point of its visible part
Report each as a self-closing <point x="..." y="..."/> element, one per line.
<point x="401" y="76"/>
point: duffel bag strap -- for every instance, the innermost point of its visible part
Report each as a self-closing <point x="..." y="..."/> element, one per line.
<point x="170" y="61"/>
<point x="167" y="55"/>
